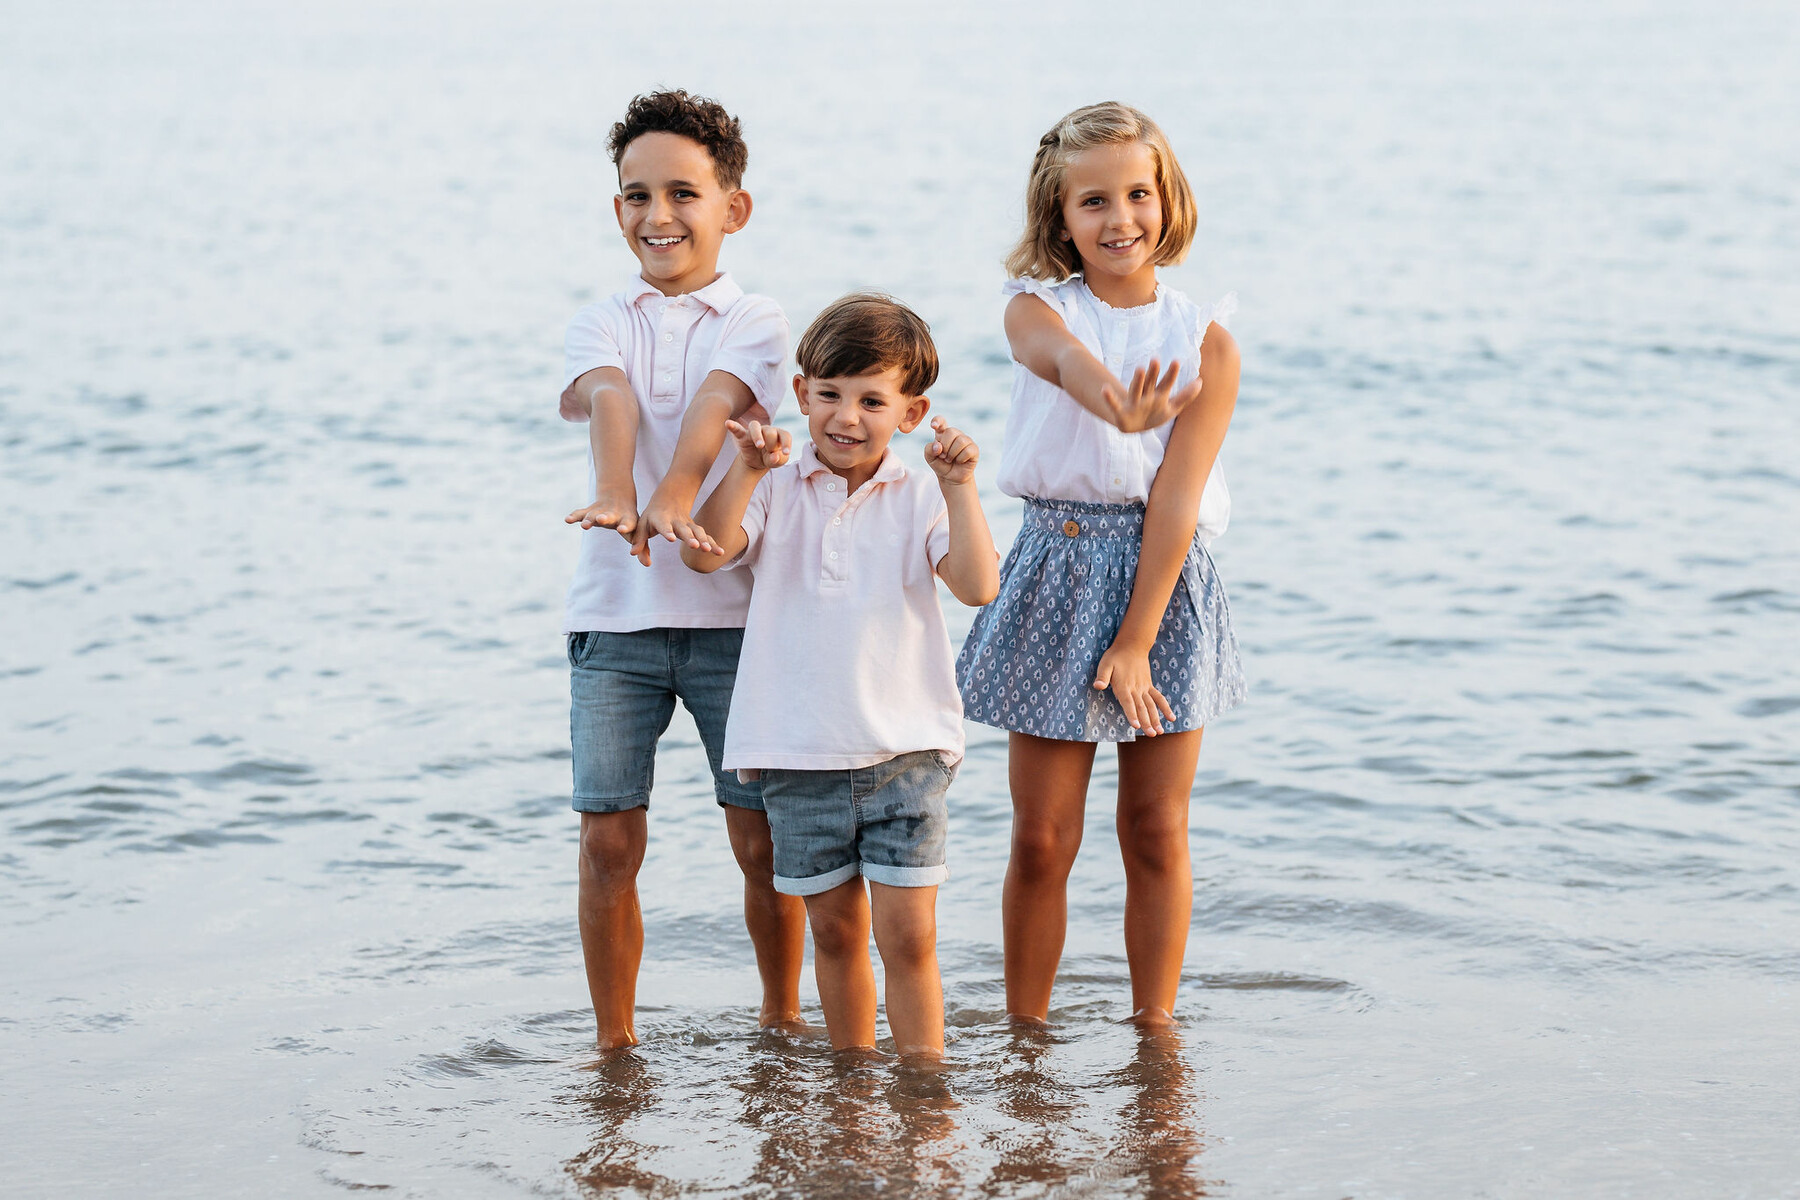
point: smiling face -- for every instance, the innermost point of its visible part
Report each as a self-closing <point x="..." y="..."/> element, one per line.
<point x="853" y="418"/>
<point x="673" y="211"/>
<point x="1112" y="211"/>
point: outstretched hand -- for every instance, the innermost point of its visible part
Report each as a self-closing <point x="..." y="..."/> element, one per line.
<point x="1127" y="673"/>
<point x="953" y="454"/>
<point x="673" y="523"/>
<point x="762" y="447"/>
<point x="1151" y="399"/>
<point x="608" y="511"/>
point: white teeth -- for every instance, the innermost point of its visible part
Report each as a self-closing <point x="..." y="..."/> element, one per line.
<point x="668" y="241"/>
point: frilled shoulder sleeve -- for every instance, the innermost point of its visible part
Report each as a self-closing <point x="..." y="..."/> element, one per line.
<point x="1219" y="313"/>
<point x="1057" y="295"/>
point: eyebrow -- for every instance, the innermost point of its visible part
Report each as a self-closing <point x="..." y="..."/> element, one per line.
<point x="638" y="183"/>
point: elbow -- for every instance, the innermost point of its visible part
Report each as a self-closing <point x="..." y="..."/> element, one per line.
<point x="977" y="593"/>
<point x="699" y="560"/>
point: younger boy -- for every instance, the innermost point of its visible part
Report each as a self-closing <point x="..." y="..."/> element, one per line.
<point x="846" y="546"/>
<point x="657" y="369"/>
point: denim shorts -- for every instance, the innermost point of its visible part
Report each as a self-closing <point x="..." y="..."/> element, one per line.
<point x="885" y="822"/>
<point x="622" y="692"/>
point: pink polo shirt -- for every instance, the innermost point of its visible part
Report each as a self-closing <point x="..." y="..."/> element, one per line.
<point x="846" y="659"/>
<point x="666" y="345"/>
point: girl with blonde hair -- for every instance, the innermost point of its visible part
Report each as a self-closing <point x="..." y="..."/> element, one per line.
<point x="1111" y="624"/>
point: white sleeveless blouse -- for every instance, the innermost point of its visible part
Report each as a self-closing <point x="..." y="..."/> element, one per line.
<point x="1055" y="449"/>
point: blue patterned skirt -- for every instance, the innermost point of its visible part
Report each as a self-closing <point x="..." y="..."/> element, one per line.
<point x="1029" y="662"/>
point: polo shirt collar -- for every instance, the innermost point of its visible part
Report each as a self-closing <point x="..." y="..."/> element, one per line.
<point x="891" y="470"/>
<point x="719" y="295"/>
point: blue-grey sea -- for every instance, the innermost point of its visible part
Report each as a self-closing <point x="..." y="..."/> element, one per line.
<point x="1497" y="873"/>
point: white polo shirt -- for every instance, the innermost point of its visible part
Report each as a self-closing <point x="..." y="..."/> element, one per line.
<point x="846" y="660"/>
<point x="666" y="345"/>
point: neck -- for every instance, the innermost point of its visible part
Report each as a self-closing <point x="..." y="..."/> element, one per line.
<point x="693" y="281"/>
<point x="1123" y="291"/>
<point x="853" y="477"/>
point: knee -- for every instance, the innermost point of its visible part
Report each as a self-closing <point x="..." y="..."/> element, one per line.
<point x="1155" y="842"/>
<point x="907" y="945"/>
<point x="612" y="847"/>
<point x="754" y="850"/>
<point x="1044" y="851"/>
<point x="836" y="935"/>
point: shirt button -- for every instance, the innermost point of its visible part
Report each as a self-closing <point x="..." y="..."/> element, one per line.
<point x="1117" y="480"/>
<point x="834" y="555"/>
<point x="1071" y="528"/>
<point x="668" y="337"/>
<point x="837" y="520"/>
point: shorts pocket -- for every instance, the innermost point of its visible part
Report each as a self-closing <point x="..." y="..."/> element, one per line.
<point x="581" y="648"/>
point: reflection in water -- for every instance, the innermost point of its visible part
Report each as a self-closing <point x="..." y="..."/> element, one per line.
<point x="623" y="1088"/>
<point x="1160" y="1145"/>
<point x="1016" y="1113"/>
<point x="846" y="1124"/>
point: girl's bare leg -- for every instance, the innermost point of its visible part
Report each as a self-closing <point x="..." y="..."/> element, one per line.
<point x="906" y="935"/>
<point x="840" y="929"/>
<point x="1156" y="779"/>
<point x="1049" y="781"/>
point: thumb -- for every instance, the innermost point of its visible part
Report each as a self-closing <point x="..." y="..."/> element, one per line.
<point x="1103" y="677"/>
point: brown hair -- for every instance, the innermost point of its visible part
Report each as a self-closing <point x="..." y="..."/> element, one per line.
<point x="694" y="117"/>
<point x="1042" y="252"/>
<point x="865" y="333"/>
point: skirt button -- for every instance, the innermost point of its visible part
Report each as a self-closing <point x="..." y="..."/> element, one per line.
<point x="1072" y="528"/>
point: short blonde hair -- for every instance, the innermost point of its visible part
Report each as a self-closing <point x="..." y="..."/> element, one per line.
<point x="1042" y="252"/>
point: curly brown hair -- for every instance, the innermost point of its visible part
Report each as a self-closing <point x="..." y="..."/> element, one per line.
<point x="865" y="333"/>
<point x="695" y="117"/>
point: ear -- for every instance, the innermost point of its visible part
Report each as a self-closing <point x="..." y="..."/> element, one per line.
<point x="619" y="213"/>
<point x="915" y="412"/>
<point x="800" y="393"/>
<point x="737" y="211"/>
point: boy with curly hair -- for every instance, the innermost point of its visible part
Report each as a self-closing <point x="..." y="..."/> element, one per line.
<point x="657" y="370"/>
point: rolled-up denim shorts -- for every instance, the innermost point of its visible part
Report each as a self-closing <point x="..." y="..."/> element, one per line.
<point x="622" y="692"/>
<point x="886" y="822"/>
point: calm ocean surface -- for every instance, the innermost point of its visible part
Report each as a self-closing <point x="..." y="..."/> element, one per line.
<point x="1498" y="874"/>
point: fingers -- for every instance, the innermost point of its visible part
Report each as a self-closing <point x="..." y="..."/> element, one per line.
<point x="626" y="524"/>
<point x="640" y="543"/>
<point x="691" y="533"/>
<point x="734" y="429"/>
<point x="1168" y="379"/>
<point x="1162" y="703"/>
<point x="1110" y="396"/>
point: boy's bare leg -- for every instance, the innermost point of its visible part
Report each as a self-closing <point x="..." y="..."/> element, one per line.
<point x="840" y="929"/>
<point x="612" y="924"/>
<point x="1156" y="779"/>
<point x="1049" y="781"/>
<point x="777" y="923"/>
<point x="905" y="920"/>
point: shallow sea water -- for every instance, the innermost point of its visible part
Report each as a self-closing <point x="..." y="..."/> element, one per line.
<point x="1498" y="874"/>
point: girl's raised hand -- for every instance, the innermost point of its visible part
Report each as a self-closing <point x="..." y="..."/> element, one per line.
<point x="762" y="447"/>
<point x="1127" y="673"/>
<point x="953" y="454"/>
<point x="1151" y="399"/>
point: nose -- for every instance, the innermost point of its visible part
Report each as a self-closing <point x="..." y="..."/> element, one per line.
<point x="661" y="212"/>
